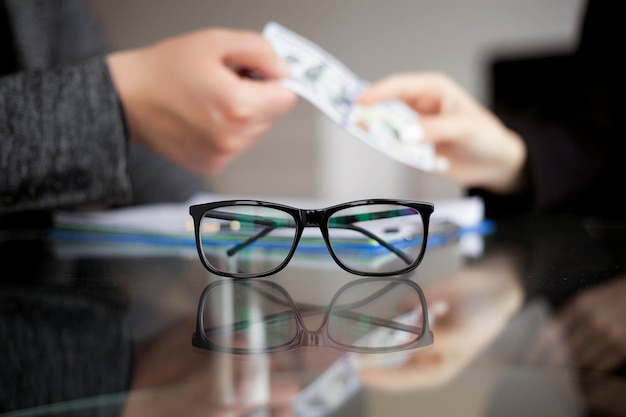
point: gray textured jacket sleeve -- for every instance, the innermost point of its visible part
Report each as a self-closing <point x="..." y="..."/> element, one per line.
<point x="62" y="132"/>
<point x="62" y="140"/>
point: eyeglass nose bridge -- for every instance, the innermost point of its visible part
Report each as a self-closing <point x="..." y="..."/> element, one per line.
<point x="312" y="338"/>
<point x="311" y="217"/>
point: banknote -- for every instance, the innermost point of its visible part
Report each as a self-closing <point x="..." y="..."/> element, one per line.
<point x="391" y="127"/>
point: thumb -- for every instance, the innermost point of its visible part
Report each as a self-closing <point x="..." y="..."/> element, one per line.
<point x="250" y="51"/>
<point x="270" y="98"/>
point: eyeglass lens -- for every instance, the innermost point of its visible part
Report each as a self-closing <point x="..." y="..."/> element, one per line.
<point x="248" y="317"/>
<point x="257" y="317"/>
<point x="376" y="315"/>
<point x="376" y="237"/>
<point x="367" y="238"/>
<point x="246" y="239"/>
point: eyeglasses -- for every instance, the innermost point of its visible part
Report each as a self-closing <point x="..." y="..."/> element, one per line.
<point x="250" y="239"/>
<point x="370" y="315"/>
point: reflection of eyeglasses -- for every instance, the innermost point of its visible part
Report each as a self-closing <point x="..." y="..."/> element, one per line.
<point x="249" y="238"/>
<point x="259" y="316"/>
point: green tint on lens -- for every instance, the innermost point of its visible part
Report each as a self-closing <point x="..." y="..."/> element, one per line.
<point x="246" y="239"/>
<point x="249" y="317"/>
<point x="376" y="237"/>
<point x="377" y="315"/>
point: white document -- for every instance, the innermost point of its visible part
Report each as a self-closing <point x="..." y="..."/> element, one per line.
<point x="391" y="127"/>
<point x="173" y="219"/>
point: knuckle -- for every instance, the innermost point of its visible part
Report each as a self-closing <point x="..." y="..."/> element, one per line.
<point x="238" y="112"/>
<point x="227" y="145"/>
<point x="583" y="306"/>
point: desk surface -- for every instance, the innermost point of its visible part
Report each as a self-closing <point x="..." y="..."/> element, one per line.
<point x="532" y="325"/>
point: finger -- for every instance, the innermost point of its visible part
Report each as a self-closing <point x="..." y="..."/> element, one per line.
<point x="608" y="361"/>
<point x="250" y="50"/>
<point x="444" y="129"/>
<point x="424" y="92"/>
<point x="548" y="346"/>
<point x="399" y="86"/>
<point x="267" y="99"/>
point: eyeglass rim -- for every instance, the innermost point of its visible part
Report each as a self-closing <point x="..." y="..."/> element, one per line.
<point x="200" y="340"/>
<point x="425" y="209"/>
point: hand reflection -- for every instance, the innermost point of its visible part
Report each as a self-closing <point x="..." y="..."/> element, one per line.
<point x="589" y="332"/>
<point x="592" y="327"/>
<point x="471" y="308"/>
<point x="171" y="378"/>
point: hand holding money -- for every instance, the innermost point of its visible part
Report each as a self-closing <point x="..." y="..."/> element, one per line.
<point x="474" y="148"/>
<point x="390" y="126"/>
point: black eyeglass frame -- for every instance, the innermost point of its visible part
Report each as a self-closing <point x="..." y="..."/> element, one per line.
<point x="320" y="337"/>
<point x="310" y="218"/>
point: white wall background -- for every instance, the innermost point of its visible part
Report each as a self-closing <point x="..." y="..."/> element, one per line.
<point x="305" y="155"/>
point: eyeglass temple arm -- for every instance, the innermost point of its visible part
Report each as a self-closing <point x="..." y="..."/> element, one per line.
<point x="313" y="309"/>
<point x="270" y="226"/>
<point x="390" y="324"/>
<point x="242" y="245"/>
<point x="230" y="216"/>
<point x="382" y="242"/>
<point x="349" y="220"/>
<point x="280" y="317"/>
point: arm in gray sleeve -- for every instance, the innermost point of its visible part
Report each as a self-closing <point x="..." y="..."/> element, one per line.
<point x="62" y="139"/>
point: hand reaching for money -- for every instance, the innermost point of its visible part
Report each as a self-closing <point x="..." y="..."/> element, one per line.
<point x="389" y="126"/>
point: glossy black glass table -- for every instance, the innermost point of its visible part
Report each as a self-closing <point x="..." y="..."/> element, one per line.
<point x="527" y="321"/>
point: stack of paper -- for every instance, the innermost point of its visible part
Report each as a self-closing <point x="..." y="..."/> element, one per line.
<point x="152" y="229"/>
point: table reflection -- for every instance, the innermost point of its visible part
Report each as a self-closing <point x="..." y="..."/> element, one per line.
<point x="257" y="320"/>
<point x="371" y="315"/>
<point x="470" y="308"/>
<point x="63" y="337"/>
<point x="531" y="326"/>
<point x="551" y="340"/>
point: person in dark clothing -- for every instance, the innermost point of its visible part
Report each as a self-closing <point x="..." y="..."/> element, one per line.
<point x="84" y="127"/>
<point x="551" y="143"/>
<point x="80" y="125"/>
